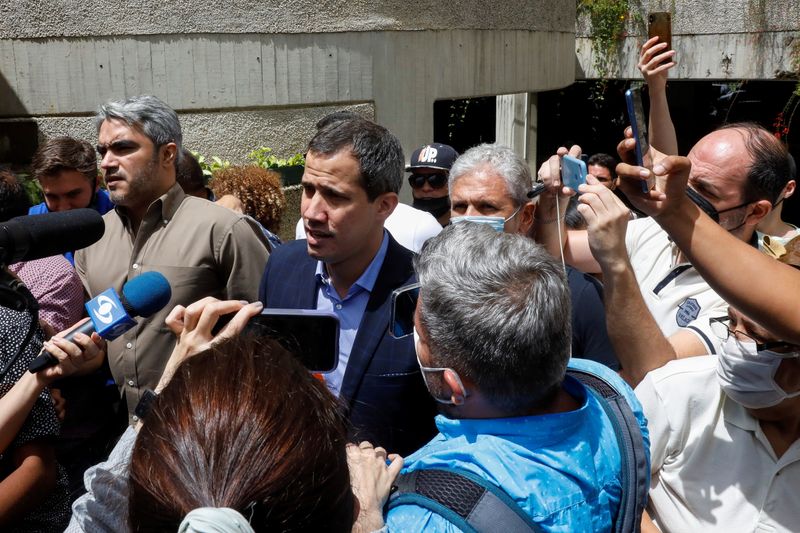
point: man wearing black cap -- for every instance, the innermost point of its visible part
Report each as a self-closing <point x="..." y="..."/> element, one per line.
<point x="429" y="166"/>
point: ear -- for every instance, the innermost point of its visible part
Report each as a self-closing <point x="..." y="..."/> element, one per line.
<point x="386" y="203"/>
<point x="168" y="154"/>
<point x="457" y="392"/>
<point x="526" y="218"/>
<point x="789" y="189"/>
<point x="760" y="210"/>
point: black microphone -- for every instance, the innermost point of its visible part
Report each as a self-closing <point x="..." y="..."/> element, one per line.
<point x="111" y="314"/>
<point x="36" y="236"/>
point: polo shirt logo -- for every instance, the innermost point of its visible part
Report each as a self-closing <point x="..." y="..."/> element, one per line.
<point x="687" y="312"/>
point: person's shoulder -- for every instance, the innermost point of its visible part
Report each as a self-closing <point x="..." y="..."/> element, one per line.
<point x="580" y="281"/>
<point x="689" y="376"/>
<point x="412" y="227"/>
<point x="292" y="251"/>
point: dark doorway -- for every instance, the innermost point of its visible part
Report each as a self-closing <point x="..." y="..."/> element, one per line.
<point x="464" y="123"/>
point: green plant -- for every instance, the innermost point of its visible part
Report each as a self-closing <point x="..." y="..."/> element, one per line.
<point x="608" y="19"/>
<point x="783" y="121"/>
<point x="264" y="158"/>
<point x="32" y="188"/>
<point x="210" y="167"/>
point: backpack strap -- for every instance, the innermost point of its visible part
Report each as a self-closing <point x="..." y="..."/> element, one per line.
<point x="631" y="447"/>
<point x="466" y="500"/>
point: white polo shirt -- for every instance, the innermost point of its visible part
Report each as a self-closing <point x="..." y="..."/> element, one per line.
<point x="677" y="296"/>
<point x="409" y="226"/>
<point x="712" y="467"/>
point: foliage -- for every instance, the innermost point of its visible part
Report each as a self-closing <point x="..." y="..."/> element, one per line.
<point x="608" y="19"/>
<point x="210" y="167"/>
<point x="32" y="188"/>
<point x="264" y="158"/>
<point x="783" y="121"/>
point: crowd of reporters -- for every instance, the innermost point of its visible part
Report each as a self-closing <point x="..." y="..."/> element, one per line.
<point x="574" y="360"/>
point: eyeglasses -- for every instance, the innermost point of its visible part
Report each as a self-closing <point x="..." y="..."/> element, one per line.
<point x="720" y="326"/>
<point x="436" y="181"/>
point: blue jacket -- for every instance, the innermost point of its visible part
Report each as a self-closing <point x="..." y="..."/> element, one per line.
<point x="382" y="390"/>
<point x="563" y="469"/>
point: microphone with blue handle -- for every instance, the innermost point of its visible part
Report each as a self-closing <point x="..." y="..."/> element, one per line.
<point x="111" y="314"/>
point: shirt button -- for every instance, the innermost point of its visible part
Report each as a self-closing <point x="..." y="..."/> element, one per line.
<point x="129" y="345"/>
<point x="166" y="220"/>
<point x="131" y="383"/>
<point x="136" y="266"/>
<point x="135" y="418"/>
<point x="338" y="306"/>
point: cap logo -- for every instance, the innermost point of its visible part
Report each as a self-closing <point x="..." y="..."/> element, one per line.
<point x="428" y="155"/>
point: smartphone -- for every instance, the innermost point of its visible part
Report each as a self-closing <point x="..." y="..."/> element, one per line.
<point x="404" y="304"/>
<point x="633" y="97"/>
<point x="573" y="172"/>
<point x="659" y="24"/>
<point x="311" y="335"/>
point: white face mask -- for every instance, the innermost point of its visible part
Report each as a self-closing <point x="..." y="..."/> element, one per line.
<point x="748" y="376"/>
<point x="426" y="369"/>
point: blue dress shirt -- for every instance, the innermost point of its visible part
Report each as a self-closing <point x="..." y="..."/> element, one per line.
<point x="563" y="469"/>
<point x="349" y="309"/>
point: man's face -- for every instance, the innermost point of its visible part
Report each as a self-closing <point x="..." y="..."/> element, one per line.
<point x="483" y="191"/>
<point x="719" y="173"/>
<point x="132" y="166"/>
<point x="67" y="189"/>
<point x="341" y="223"/>
<point x="426" y="190"/>
<point x="603" y="175"/>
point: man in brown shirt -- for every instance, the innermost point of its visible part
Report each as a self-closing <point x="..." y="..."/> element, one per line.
<point x="203" y="249"/>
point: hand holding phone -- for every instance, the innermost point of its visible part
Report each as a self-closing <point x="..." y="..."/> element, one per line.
<point x="573" y="172"/>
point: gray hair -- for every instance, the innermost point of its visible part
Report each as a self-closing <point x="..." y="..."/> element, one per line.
<point x="514" y="170"/>
<point x="496" y="308"/>
<point x="157" y="120"/>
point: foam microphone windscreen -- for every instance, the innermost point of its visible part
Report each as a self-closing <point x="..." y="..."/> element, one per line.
<point x="36" y="236"/>
<point x="146" y="294"/>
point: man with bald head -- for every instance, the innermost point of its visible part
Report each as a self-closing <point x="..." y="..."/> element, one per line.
<point x="656" y="302"/>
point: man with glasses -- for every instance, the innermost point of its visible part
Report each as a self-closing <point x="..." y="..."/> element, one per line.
<point x="727" y="427"/>
<point x="429" y="166"/>
<point x="658" y="305"/>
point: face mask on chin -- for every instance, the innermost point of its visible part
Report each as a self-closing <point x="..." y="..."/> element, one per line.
<point x="748" y="376"/>
<point x="435" y="206"/>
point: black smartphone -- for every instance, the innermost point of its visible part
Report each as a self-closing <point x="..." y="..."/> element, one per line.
<point x="312" y="335"/>
<point x="659" y="24"/>
<point x="404" y="303"/>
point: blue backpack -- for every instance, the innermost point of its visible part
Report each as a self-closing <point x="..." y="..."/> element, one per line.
<point x="475" y="505"/>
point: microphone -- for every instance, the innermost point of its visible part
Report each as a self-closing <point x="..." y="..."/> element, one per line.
<point x="111" y="315"/>
<point x="36" y="236"/>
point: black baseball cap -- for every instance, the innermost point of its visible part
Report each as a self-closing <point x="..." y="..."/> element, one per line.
<point x="432" y="155"/>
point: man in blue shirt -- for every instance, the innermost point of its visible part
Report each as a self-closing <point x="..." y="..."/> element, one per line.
<point x="67" y="171"/>
<point x="349" y="265"/>
<point x="492" y="335"/>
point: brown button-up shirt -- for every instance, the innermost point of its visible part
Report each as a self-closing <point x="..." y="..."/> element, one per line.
<point x="202" y="249"/>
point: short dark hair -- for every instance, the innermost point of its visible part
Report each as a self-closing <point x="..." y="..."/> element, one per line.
<point x="336" y="116"/>
<point x="378" y="152"/>
<point x="14" y="201"/>
<point x="269" y="443"/>
<point x="770" y="170"/>
<point x="188" y="173"/>
<point x="65" y="153"/>
<point x="606" y="161"/>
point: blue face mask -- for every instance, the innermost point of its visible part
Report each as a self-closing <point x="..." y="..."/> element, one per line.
<point x="497" y="223"/>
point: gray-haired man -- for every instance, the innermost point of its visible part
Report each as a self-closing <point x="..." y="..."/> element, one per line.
<point x="201" y="248"/>
<point x="492" y="335"/>
<point x="490" y="183"/>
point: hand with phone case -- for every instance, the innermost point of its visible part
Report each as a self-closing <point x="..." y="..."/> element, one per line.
<point x="655" y="62"/>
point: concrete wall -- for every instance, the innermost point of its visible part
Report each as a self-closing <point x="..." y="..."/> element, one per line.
<point x="736" y="39"/>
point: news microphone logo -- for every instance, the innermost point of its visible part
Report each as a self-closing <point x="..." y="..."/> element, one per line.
<point x="108" y="315"/>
